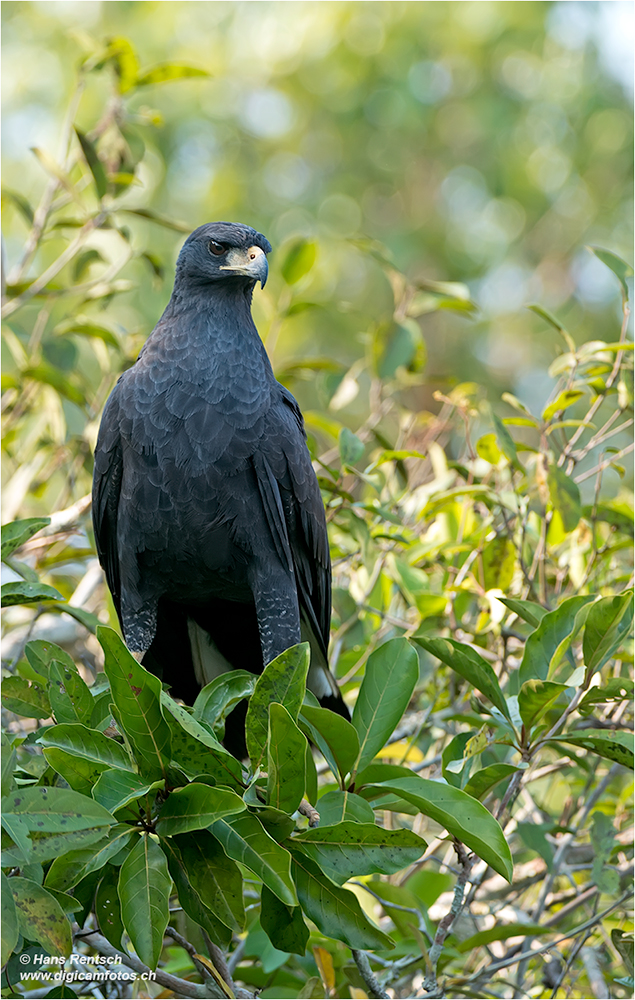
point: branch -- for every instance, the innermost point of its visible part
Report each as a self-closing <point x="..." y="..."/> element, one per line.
<point x="444" y="927"/>
<point x="371" y="982"/>
<point x="198" y="991"/>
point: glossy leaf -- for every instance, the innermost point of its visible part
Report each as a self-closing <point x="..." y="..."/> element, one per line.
<point x="114" y="788"/>
<point x="195" y="807"/>
<point x="283" y="925"/>
<point x="535" y="698"/>
<point x="27" y="593"/>
<point x="70" y="697"/>
<point x="9" y="929"/>
<point x="391" y="674"/>
<point x="16" y="533"/>
<point x="349" y="849"/>
<point x="351" y="448"/>
<point x="194" y="746"/>
<point x="334" y="807"/>
<point x="80" y="773"/>
<point x="25" y="698"/>
<point x="335" y="911"/>
<point x="286" y="754"/>
<point x="461" y="815"/>
<point x="566" y="399"/>
<point x="607" y="626"/>
<point x="217" y="878"/>
<point x="468" y="664"/>
<point x="244" y="839"/>
<point x="528" y="611"/>
<point x="283" y="681"/>
<point x="137" y="695"/>
<point x="189" y="898"/>
<point x="335" y="736"/>
<point x="615" y="746"/>
<point x="87" y="743"/>
<point x="69" y="869"/>
<point x="108" y="907"/>
<point x="546" y="644"/>
<point x="144" y="892"/>
<point x="40" y="809"/>
<point x="487" y="778"/>
<point x="221" y="695"/>
<point x="40" y="917"/>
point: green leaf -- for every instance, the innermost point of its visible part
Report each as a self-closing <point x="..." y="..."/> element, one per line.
<point x="286" y="754"/>
<point x="335" y="911"/>
<point x="565" y="497"/>
<point x="161" y="220"/>
<point x="40" y="917"/>
<point x="610" y="745"/>
<point x="405" y="349"/>
<point x="487" y="448"/>
<point x="334" y="736"/>
<point x="351" y="448"/>
<point x="25" y="698"/>
<point x="563" y="402"/>
<point x="549" y="317"/>
<point x="114" y="788"/>
<point x="616" y="689"/>
<point x="22" y="592"/>
<point x="217" y="878"/>
<point x="392" y="671"/>
<point x="40" y="653"/>
<point x="88" y="744"/>
<point x="461" y="815"/>
<point x="619" y="267"/>
<point x="623" y="942"/>
<point x="602" y="835"/>
<point x="469" y="664"/>
<point x="187" y="891"/>
<point x="16" y="533"/>
<point x="24" y="208"/>
<point x="506" y="443"/>
<point x="9" y="923"/>
<point x="498" y="562"/>
<point x="71" y="868"/>
<point x="80" y="773"/>
<point x="529" y="611"/>
<point x="244" y="839"/>
<point x="334" y="807"/>
<point x="283" y="925"/>
<point x="349" y="849"/>
<point x="81" y="326"/>
<point x="137" y="695"/>
<point x="70" y="697"/>
<point x="487" y="778"/>
<point x="216" y="700"/>
<point x="95" y="165"/>
<point x="39" y="809"/>
<point x="607" y="625"/>
<point x="196" y="750"/>
<point x="144" y="892"/>
<point x="108" y="908"/>
<point x="195" y="807"/>
<point x="298" y="260"/>
<point x="165" y="72"/>
<point x="9" y="761"/>
<point x="546" y="644"/>
<point x="284" y="681"/>
<point x="124" y="58"/>
<point x="535" y="698"/>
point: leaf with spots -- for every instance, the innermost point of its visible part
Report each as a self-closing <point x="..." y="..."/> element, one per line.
<point x="350" y="848"/>
<point x="9" y="923"/>
<point x="284" y="681"/>
<point x="137" y="695"/>
<point x="40" y="916"/>
<point x="70" y="697"/>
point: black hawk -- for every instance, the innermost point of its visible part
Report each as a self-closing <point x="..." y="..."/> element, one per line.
<point x="208" y="518"/>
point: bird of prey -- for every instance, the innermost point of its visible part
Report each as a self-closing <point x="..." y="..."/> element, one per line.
<point x="208" y="518"/>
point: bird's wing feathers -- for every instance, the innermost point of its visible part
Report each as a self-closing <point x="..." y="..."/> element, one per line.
<point x="106" y="489"/>
<point x="289" y="488"/>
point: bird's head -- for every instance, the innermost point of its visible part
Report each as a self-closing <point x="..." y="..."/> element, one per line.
<point x="224" y="252"/>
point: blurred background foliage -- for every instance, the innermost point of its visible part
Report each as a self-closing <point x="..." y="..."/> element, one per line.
<point x="425" y="171"/>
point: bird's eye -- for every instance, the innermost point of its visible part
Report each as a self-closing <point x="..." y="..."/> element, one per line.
<point x="216" y="248"/>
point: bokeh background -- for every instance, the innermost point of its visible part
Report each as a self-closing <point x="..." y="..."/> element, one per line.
<point x="481" y="142"/>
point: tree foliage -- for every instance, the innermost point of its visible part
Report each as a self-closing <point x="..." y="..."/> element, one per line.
<point x="471" y="823"/>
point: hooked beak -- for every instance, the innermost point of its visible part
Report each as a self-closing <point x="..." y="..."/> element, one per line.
<point x="252" y="263"/>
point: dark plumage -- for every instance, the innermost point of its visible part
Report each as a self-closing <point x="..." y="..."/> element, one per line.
<point x="208" y="517"/>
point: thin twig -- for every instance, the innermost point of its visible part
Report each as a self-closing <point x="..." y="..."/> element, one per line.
<point x="371" y="982"/>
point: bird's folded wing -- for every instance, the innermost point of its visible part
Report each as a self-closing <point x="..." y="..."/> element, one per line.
<point x="106" y="489"/>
